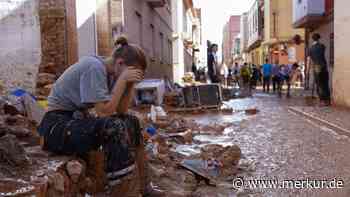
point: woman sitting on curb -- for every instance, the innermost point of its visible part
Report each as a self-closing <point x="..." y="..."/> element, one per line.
<point x="107" y="86"/>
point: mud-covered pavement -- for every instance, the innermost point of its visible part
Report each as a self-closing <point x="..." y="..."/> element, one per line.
<point x="274" y="144"/>
<point x="279" y="145"/>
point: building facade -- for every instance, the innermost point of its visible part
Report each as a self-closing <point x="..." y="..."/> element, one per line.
<point x="230" y="32"/>
<point x="255" y="32"/>
<point x="316" y="16"/>
<point x="279" y="36"/>
<point x="187" y="37"/>
<point x="236" y="51"/>
<point x="244" y="36"/>
<point x="147" y="23"/>
<point x="41" y="38"/>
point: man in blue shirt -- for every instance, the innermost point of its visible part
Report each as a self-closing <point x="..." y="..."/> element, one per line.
<point x="267" y="70"/>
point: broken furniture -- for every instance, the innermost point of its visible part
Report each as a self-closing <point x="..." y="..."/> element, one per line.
<point x="206" y="95"/>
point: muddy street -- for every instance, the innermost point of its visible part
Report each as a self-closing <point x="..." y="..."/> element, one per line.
<point x="279" y="144"/>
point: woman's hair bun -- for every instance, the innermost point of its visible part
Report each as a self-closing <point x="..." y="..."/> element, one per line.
<point x="122" y="40"/>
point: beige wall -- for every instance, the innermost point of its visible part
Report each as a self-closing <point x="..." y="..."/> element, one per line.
<point x="284" y="20"/>
<point x="341" y="75"/>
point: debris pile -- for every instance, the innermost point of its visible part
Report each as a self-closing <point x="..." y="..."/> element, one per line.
<point x="181" y="174"/>
<point x="12" y="155"/>
<point x="44" y="84"/>
<point x="27" y="170"/>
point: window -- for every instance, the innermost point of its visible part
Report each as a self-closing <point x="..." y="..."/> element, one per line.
<point x="331" y="50"/>
<point x="153" y="40"/>
<point x="161" y="41"/>
<point x="139" y="29"/>
<point x="170" y="51"/>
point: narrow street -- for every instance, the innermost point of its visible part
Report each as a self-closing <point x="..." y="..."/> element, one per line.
<point x="174" y="98"/>
<point x="279" y="144"/>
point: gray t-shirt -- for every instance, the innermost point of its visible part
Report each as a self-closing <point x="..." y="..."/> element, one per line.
<point x="80" y="86"/>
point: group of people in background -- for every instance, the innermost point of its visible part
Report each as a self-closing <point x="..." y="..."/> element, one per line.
<point x="279" y="75"/>
<point x="248" y="76"/>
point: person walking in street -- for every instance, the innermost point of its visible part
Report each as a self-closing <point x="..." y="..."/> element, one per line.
<point x="213" y="64"/>
<point x="106" y="85"/>
<point x="267" y="69"/>
<point x="255" y="76"/>
<point x="275" y="76"/>
<point x="236" y="74"/>
<point x="245" y="77"/>
<point x="318" y="63"/>
<point x="284" y="76"/>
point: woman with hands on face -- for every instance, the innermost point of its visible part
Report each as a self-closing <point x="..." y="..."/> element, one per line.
<point x="105" y="84"/>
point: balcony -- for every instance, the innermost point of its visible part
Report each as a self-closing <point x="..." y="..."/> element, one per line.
<point x="308" y="13"/>
<point x="156" y="3"/>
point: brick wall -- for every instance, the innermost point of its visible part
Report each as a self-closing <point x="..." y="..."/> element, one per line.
<point x="58" y="40"/>
<point x="52" y="26"/>
<point x="104" y="29"/>
<point x="71" y="32"/>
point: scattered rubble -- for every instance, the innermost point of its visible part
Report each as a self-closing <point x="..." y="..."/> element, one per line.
<point x="215" y="128"/>
<point x="12" y="156"/>
<point x="252" y="111"/>
<point x="44" y="83"/>
<point x="45" y="79"/>
<point x="48" y="175"/>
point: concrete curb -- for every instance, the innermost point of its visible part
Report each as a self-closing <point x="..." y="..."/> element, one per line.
<point x="337" y="128"/>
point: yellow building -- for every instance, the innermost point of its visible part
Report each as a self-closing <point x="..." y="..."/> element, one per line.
<point x="280" y="35"/>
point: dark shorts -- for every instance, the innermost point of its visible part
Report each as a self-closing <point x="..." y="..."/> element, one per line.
<point x="116" y="136"/>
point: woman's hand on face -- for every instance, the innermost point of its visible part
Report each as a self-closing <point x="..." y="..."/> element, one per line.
<point x="132" y="75"/>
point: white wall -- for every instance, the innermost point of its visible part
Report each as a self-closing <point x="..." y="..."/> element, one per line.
<point x="341" y="74"/>
<point x="20" y="44"/>
<point x="178" y="48"/>
<point x="253" y="24"/>
<point x="86" y="25"/>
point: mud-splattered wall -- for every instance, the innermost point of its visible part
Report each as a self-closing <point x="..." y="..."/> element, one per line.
<point x="20" y="44"/>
